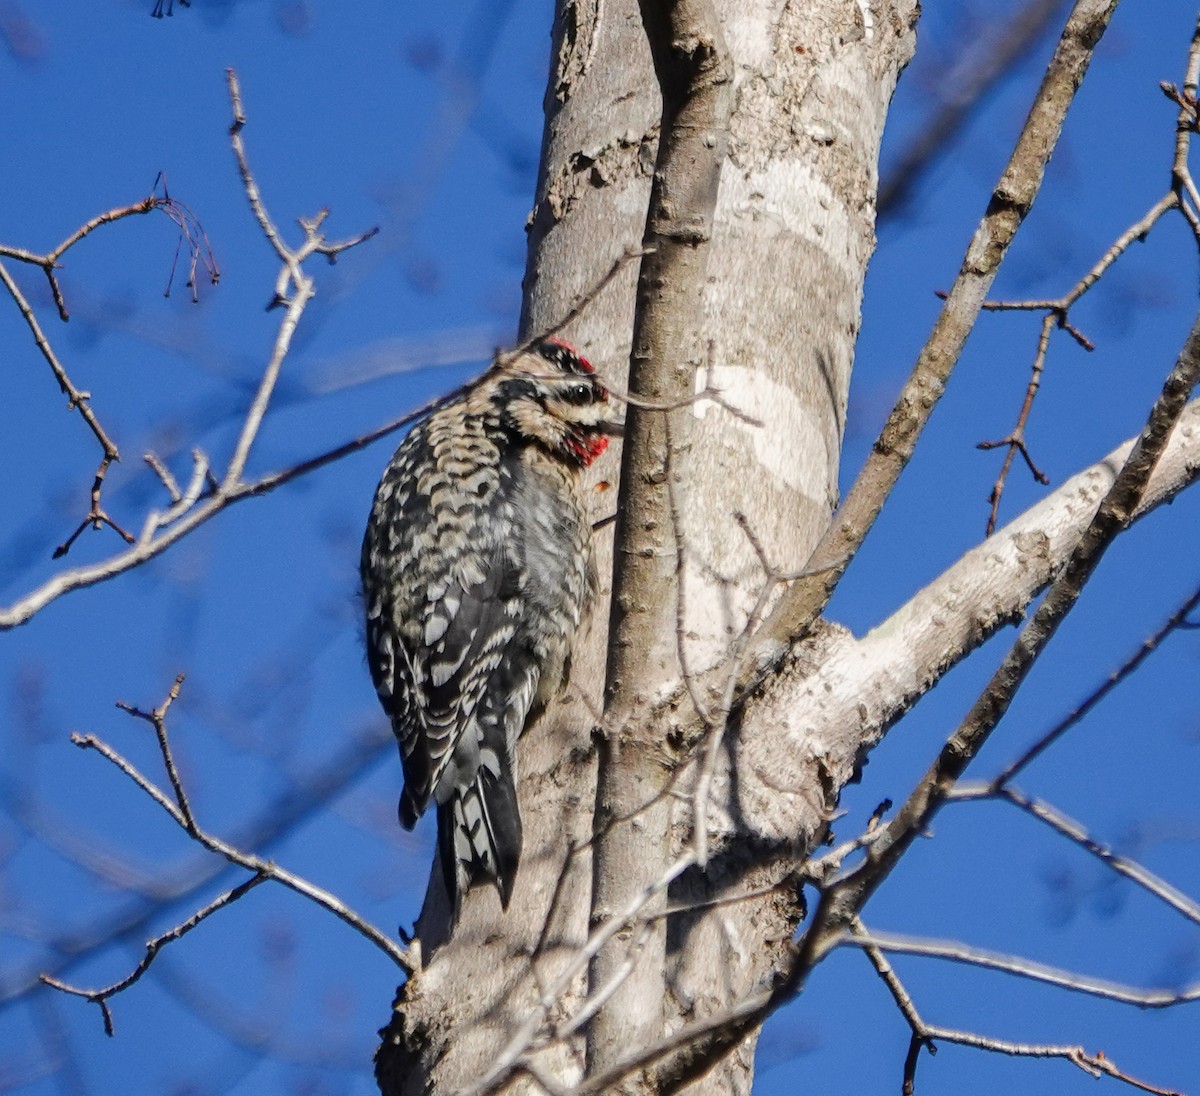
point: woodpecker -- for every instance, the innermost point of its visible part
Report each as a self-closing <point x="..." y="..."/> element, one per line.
<point x="477" y="571"/>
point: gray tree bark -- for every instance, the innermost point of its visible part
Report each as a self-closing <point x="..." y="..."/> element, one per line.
<point x="773" y="331"/>
<point x="672" y="801"/>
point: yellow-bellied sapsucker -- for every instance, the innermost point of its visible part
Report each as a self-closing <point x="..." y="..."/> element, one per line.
<point x="476" y="572"/>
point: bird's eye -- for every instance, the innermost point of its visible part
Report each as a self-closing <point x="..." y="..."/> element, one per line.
<point x="581" y="393"/>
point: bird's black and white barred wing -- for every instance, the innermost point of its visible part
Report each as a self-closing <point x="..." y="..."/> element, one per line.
<point x="449" y="665"/>
<point x="475" y="572"/>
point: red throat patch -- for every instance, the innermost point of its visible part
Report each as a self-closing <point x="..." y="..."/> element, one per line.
<point x="589" y="448"/>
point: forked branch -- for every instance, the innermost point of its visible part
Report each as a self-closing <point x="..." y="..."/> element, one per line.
<point x="1011" y="201"/>
<point x="207" y="494"/>
<point x="926" y="1036"/>
<point x="178" y="806"/>
<point x="77" y="399"/>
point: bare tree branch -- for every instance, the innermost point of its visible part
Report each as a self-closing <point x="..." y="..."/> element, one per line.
<point x="867" y="684"/>
<point x="1022" y="967"/>
<point x="261" y="870"/>
<point x="1114" y="516"/>
<point x="101" y="996"/>
<point x="1077" y="834"/>
<point x="293" y="291"/>
<point x="78" y="400"/>
<point x="1057" y="312"/>
<point x="926" y="1036"/>
<point x="1177" y="620"/>
<point x="279" y="816"/>
<point x="1010" y="203"/>
<point x="183" y="218"/>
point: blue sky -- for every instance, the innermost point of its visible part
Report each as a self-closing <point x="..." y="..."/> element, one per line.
<point x="425" y="121"/>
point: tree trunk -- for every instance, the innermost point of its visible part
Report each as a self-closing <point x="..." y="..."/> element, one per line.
<point x="792" y="233"/>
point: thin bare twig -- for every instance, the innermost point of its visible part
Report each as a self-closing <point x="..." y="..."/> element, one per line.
<point x="581" y="304"/>
<point x="186" y="883"/>
<point x="1076" y="833"/>
<point x="1182" y="183"/>
<point x="709" y="393"/>
<point x="926" y="1036"/>
<point x="293" y="290"/>
<point x="293" y="287"/>
<point x="1020" y="966"/>
<point x="249" y="861"/>
<point x="1015" y="439"/>
<point x="78" y="400"/>
<point x="1176" y="621"/>
<point x="158" y="720"/>
<point x="1057" y="312"/>
<point x="190" y="230"/>
<point x="101" y="996"/>
<point x="599" y="997"/>
<point x="97" y="516"/>
<point x="164" y="474"/>
<point x="261" y="870"/>
<point x="249" y="183"/>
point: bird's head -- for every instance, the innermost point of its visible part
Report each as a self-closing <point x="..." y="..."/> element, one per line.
<point x="550" y="395"/>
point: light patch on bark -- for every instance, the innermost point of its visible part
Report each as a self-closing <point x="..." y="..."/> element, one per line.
<point x="839" y="695"/>
<point x="785" y="457"/>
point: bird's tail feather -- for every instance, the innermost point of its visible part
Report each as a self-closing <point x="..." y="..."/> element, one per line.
<point x="479" y="835"/>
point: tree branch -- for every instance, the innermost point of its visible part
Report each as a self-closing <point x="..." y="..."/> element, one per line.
<point x="1116" y="513"/>
<point x="262" y="870"/>
<point x="278" y="817"/>
<point x="1057" y="313"/>
<point x="1077" y="834"/>
<point x="860" y="687"/>
<point x="101" y="996"/>
<point x="293" y="290"/>
<point x="1020" y="966"/>
<point x="926" y="1036"/>
<point x="695" y="74"/>
<point x="851" y="690"/>
<point x="1178" y="619"/>
<point x="1010" y="203"/>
